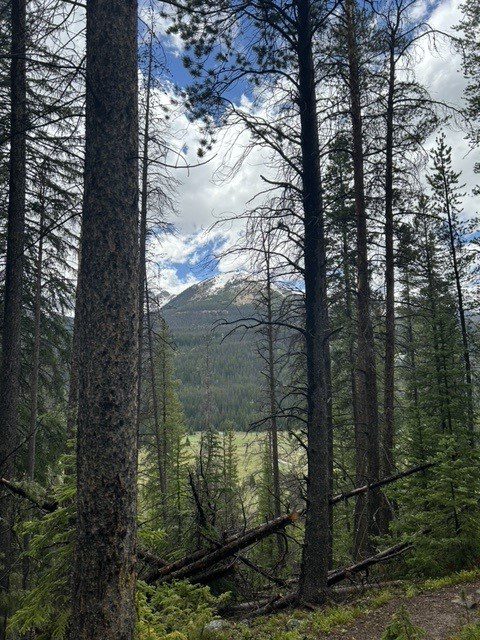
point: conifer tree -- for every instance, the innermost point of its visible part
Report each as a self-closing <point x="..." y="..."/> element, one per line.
<point x="447" y="196"/>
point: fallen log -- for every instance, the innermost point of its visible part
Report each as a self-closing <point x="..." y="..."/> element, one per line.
<point x="334" y="577"/>
<point x="217" y="572"/>
<point x="167" y="568"/>
<point x="380" y="483"/>
<point x="151" y="558"/>
<point x="338" y="575"/>
<point x="225" y="551"/>
<point x="251" y="565"/>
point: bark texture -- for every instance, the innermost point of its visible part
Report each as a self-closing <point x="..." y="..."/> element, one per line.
<point x="12" y="313"/>
<point x="317" y="540"/>
<point x="104" y="571"/>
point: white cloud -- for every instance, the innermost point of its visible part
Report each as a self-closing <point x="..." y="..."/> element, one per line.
<point x="167" y="279"/>
<point x="223" y="186"/>
<point x="438" y="67"/>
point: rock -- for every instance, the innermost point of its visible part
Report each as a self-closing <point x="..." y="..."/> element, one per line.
<point x="215" y="625"/>
<point x="468" y="602"/>
<point x="293" y="624"/>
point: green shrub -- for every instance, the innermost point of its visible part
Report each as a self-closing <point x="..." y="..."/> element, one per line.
<point x="402" y="628"/>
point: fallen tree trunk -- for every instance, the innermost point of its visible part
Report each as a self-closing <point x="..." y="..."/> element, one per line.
<point x="225" y="551"/>
<point x="151" y="558"/>
<point x="380" y="483"/>
<point x="341" y="574"/>
<point x="334" y="577"/>
<point x="217" y="572"/>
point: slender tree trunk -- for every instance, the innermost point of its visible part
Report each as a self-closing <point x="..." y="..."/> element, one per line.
<point x="104" y="575"/>
<point x="12" y="310"/>
<point x="34" y="373"/>
<point x="35" y="363"/>
<point x="412" y="361"/>
<point x="156" y="413"/>
<point x="461" y="312"/>
<point x="72" y="405"/>
<point x="367" y="425"/>
<point x="142" y="269"/>
<point x="388" y="435"/>
<point x="388" y="464"/>
<point x="272" y="387"/>
<point x="317" y="540"/>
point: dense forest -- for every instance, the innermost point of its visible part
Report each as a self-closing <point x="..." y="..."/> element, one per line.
<point x="285" y="447"/>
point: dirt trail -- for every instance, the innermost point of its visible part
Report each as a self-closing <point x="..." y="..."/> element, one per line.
<point x="436" y="612"/>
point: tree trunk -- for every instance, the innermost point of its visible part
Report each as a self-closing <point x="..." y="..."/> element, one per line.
<point x="272" y="392"/>
<point x="72" y="405"/>
<point x="367" y="445"/>
<point x="317" y="540"/>
<point x="142" y="268"/>
<point x="12" y="311"/>
<point x="272" y="384"/>
<point x="159" y="445"/>
<point x="104" y="576"/>
<point x="35" y="363"/>
<point x="388" y="436"/>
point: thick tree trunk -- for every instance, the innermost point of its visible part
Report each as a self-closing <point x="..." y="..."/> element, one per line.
<point x="12" y="310"/>
<point x="317" y="540"/>
<point x="104" y="576"/>
<point x="367" y="440"/>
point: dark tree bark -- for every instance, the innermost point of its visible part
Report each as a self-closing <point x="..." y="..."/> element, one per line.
<point x="388" y="434"/>
<point x="12" y="311"/>
<point x="388" y="464"/>
<point x="104" y="576"/>
<point x="317" y="540"/>
<point x="367" y="434"/>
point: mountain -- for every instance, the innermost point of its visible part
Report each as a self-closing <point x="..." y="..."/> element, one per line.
<point x="216" y="368"/>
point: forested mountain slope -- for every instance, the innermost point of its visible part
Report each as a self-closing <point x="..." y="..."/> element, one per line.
<point x="219" y="370"/>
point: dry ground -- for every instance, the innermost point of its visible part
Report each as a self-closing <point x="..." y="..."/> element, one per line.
<point x="437" y="612"/>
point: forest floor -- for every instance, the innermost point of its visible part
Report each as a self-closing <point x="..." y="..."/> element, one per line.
<point x="440" y="614"/>
<point x="444" y="609"/>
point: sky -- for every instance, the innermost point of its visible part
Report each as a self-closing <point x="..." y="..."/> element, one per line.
<point x="210" y="191"/>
